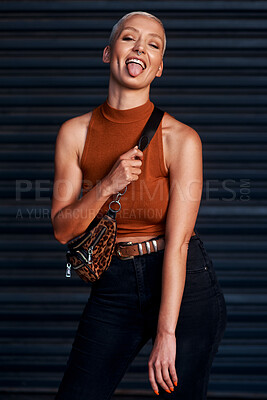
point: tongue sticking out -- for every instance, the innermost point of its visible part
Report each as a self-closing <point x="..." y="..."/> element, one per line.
<point x="134" y="69"/>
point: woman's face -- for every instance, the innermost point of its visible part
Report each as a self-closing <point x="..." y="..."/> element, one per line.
<point x="138" y="33"/>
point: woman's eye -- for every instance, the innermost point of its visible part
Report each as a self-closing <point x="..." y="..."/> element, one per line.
<point x="129" y="38"/>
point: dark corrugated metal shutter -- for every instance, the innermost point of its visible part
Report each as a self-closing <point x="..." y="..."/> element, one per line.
<point x="215" y="81"/>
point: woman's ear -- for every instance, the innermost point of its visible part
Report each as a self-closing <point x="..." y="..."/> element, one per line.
<point x="159" y="73"/>
<point x="106" y="54"/>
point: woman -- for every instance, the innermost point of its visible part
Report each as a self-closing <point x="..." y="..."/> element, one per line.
<point x="161" y="282"/>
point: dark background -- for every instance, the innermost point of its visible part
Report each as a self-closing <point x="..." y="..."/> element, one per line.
<point x="214" y="80"/>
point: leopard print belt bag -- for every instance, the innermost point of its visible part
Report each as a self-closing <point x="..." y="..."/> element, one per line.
<point x="90" y="253"/>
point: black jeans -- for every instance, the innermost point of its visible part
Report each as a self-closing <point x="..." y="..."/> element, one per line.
<point x="121" y="316"/>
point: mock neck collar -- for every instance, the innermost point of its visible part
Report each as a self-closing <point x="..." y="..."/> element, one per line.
<point x="129" y="115"/>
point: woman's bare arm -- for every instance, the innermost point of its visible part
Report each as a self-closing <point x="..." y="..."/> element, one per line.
<point x="184" y="151"/>
<point x="70" y="215"/>
<point x="186" y="181"/>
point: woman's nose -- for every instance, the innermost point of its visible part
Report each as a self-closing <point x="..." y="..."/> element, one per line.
<point x="139" y="52"/>
<point x="139" y="47"/>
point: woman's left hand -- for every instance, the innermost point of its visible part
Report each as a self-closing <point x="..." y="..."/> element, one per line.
<point x="161" y="364"/>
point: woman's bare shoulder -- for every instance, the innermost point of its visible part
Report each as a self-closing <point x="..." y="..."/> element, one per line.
<point x="75" y="131"/>
<point x="176" y="128"/>
<point x="174" y="135"/>
<point x="77" y="123"/>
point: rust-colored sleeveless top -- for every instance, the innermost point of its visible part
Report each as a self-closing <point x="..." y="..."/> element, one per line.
<point x="112" y="132"/>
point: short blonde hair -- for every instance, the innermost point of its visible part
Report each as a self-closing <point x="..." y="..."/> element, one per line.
<point x="117" y="26"/>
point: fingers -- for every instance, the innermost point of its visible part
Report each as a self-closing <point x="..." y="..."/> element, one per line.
<point x="126" y="169"/>
<point x="163" y="374"/>
<point x="173" y="374"/>
<point x="126" y="164"/>
<point x="167" y="379"/>
<point x="152" y="378"/>
<point x="136" y="163"/>
<point x="132" y="169"/>
<point x="133" y="153"/>
<point x="138" y="152"/>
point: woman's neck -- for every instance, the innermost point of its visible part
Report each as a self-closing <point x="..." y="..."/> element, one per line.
<point x="125" y="98"/>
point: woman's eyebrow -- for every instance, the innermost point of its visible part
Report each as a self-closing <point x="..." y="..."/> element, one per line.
<point x="136" y="30"/>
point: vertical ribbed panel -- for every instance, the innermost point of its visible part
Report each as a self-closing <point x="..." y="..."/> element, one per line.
<point x="215" y="81"/>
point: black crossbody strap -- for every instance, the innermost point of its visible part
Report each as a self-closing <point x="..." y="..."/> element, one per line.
<point x="150" y="128"/>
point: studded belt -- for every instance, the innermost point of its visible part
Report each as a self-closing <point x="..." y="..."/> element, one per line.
<point x="128" y="250"/>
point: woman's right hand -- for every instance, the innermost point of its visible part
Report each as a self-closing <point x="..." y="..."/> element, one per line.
<point x="125" y="170"/>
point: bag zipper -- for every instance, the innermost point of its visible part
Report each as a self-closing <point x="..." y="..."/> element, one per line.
<point x="68" y="270"/>
<point x="96" y="241"/>
<point x="90" y="253"/>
